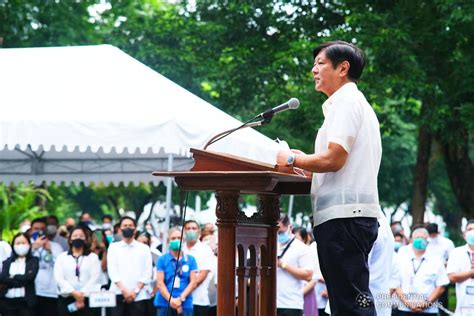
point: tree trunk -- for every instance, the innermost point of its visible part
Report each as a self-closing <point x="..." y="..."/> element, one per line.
<point x="420" y="179"/>
<point x="460" y="171"/>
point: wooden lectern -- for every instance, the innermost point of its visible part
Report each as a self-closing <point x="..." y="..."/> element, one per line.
<point x="231" y="176"/>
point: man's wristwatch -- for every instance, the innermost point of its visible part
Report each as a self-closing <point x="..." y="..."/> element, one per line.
<point x="182" y="298"/>
<point x="283" y="265"/>
<point x="137" y="290"/>
<point x="290" y="160"/>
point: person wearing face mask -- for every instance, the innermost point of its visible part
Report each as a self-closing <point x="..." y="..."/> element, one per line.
<point x="398" y="241"/>
<point x="52" y="223"/>
<point x="178" y="290"/>
<point x="47" y="251"/>
<point x="422" y="278"/>
<point x="295" y="265"/>
<point x="460" y="270"/>
<point x="17" y="280"/>
<point x="77" y="274"/>
<point x="203" y="254"/>
<point x="129" y="264"/>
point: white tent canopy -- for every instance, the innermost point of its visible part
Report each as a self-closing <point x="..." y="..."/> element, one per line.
<point x="95" y="114"/>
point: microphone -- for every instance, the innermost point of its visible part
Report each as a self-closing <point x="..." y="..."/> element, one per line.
<point x="291" y="104"/>
<point x="261" y="119"/>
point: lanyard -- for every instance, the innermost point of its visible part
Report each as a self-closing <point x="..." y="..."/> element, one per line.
<point x="78" y="266"/>
<point x="286" y="248"/>
<point x="419" y="266"/>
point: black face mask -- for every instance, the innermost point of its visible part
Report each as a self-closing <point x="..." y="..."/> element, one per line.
<point x="78" y="243"/>
<point x="128" y="232"/>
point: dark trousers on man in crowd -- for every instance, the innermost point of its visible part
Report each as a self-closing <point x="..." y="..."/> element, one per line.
<point x="133" y="309"/>
<point x="15" y="307"/>
<point x="201" y="310"/>
<point x="46" y="306"/>
<point x="289" y="312"/>
<point x="343" y="249"/>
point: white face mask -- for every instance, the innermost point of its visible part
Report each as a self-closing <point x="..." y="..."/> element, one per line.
<point x="21" y="250"/>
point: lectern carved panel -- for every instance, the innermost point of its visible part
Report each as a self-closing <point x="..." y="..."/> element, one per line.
<point x="227" y="208"/>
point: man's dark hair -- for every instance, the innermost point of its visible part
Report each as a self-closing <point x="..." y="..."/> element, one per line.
<point x="38" y="220"/>
<point x="432" y="228"/>
<point x="398" y="235"/>
<point x="107" y="216"/>
<point x="127" y="217"/>
<point x="190" y="221"/>
<point x="339" y="51"/>
<point x="284" y="219"/>
<point x="53" y="217"/>
<point x="469" y="222"/>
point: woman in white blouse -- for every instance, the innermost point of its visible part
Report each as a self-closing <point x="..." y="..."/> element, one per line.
<point x="17" y="281"/>
<point x="77" y="274"/>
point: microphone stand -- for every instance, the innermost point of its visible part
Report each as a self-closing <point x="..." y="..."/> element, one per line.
<point x="249" y="123"/>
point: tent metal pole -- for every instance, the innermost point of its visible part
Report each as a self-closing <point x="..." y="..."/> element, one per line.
<point x="169" y="188"/>
<point x="290" y="206"/>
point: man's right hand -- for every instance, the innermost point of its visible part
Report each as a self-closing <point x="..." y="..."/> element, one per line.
<point x="39" y="242"/>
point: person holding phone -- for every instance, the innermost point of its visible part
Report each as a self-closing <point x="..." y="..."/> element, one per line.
<point x="77" y="274"/>
<point x="46" y="251"/>
<point x="17" y="281"/>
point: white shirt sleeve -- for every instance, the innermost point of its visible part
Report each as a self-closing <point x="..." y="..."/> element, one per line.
<point x="64" y="288"/>
<point x="305" y="261"/>
<point x="94" y="270"/>
<point x="147" y="272"/>
<point x="344" y="123"/>
<point x="442" y="278"/>
<point x="112" y="263"/>
<point x="454" y="263"/>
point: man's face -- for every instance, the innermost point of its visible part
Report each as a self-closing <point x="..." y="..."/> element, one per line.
<point x="127" y="223"/>
<point x="468" y="228"/>
<point x="37" y="227"/>
<point x="282" y="228"/>
<point x="192" y="227"/>
<point x="176" y="235"/>
<point x="86" y="217"/>
<point x="106" y="220"/>
<point x="326" y="78"/>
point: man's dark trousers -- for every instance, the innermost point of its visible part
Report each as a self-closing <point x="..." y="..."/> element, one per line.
<point x="343" y="249"/>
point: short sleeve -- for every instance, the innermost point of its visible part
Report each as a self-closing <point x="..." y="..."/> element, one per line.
<point x="160" y="264"/>
<point x="192" y="263"/>
<point x="344" y="122"/>
<point x="442" y="278"/>
<point x="305" y="261"/>
<point x="453" y="263"/>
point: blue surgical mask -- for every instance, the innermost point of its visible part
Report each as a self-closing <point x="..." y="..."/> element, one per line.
<point x="470" y="237"/>
<point x="420" y="243"/>
<point x="283" y="237"/>
<point x="397" y="245"/>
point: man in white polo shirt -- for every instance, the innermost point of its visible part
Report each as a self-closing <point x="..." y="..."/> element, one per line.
<point x="344" y="189"/>
<point x="422" y="278"/>
<point x="295" y="265"/>
<point x="129" y="264"/>
<point x="461" y="271"/>
<point x="204" y="256"/>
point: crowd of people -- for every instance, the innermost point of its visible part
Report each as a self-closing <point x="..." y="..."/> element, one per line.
<point x="50" y="269"/>
<point x="423" y="265"/>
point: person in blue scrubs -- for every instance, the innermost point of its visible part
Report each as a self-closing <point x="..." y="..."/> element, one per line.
<point x="176" y="278"/>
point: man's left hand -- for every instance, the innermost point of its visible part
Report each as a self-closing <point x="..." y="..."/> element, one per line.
<point x="282" y="157"/>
